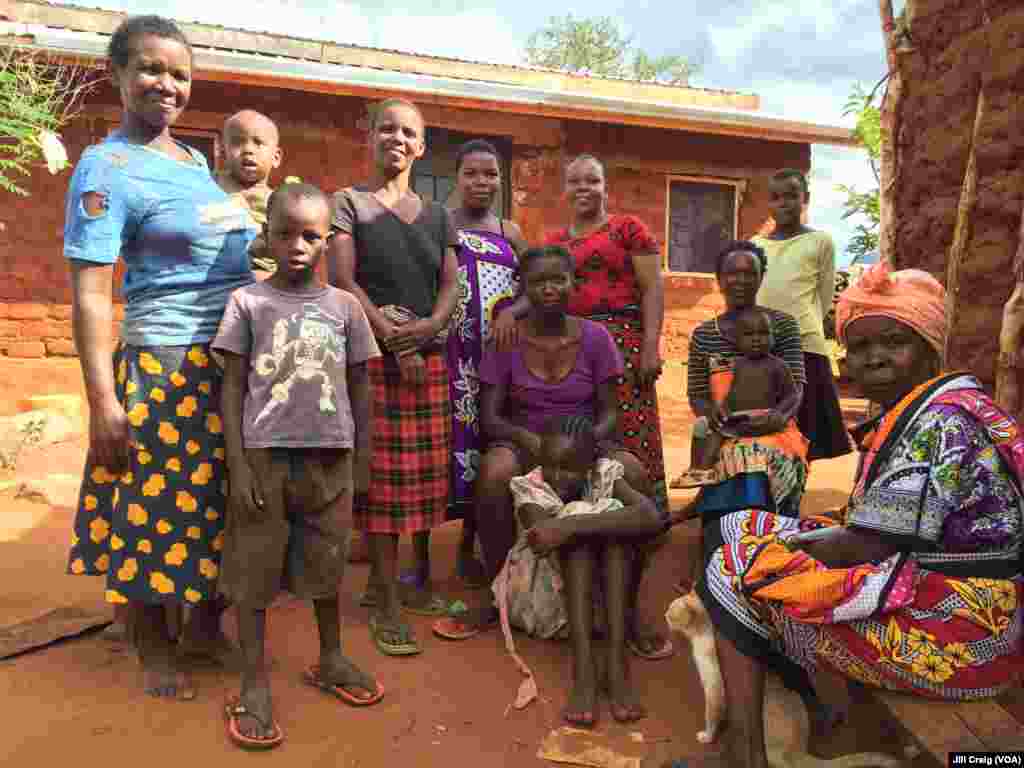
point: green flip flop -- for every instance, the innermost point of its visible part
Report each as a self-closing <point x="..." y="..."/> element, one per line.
<point x="434" y="607"/>
<point x="407" y="646"/>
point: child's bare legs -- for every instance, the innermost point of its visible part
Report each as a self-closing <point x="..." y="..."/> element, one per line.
<point x="335" y="667"/>
<point x="160" y="673"/>
<point x="640" y="632"/>
<point x="617" y="578"/>
<point x="578" y="570"/>
<point x="255" y="693"/>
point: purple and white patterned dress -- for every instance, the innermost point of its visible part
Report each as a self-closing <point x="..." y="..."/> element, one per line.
<point x="488" y="282"/>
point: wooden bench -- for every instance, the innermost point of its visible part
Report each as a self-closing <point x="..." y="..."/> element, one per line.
<point x="940" y="727"/>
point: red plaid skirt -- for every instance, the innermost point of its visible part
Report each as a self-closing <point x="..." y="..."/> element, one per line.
<point x="411" y="449"/>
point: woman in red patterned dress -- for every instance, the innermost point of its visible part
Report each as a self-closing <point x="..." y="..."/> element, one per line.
<point x="618" y="283"/>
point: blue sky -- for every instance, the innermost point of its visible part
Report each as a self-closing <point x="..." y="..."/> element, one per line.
<point x="801" y="56"/>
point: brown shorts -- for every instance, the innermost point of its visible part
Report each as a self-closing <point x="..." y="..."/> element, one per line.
<point x="301" y="542"/>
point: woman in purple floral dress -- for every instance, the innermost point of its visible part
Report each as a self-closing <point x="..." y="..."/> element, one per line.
<point x="489" y="301"/>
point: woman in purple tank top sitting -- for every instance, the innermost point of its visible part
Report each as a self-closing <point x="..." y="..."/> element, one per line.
<point x="562" y="365"/>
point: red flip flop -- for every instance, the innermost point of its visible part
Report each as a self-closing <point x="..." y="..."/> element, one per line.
<point x="234" y="709"/>
<point x="451" y="628"/>
<point x="312" y="677"/>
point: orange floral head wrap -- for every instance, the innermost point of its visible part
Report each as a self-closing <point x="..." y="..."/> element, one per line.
<point x="911" y="296"/>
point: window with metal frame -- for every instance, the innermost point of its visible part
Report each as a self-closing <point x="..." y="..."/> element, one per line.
<point x="702" y="216"/>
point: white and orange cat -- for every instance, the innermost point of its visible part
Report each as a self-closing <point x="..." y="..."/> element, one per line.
<point x="788" y="737"/>
<point x="687" y="616"/>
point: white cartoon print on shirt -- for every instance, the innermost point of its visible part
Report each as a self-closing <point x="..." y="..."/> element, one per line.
<point x="305" y="345"/>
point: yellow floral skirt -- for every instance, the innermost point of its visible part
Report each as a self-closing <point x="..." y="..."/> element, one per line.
<point x="156" y="531"/>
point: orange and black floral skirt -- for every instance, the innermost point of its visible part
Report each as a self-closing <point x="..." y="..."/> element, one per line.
<point x="894" y="625"/>
<point x="155" y="531"/>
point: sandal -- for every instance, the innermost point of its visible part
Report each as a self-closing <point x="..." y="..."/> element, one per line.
<point x="406" y="646"/>
<point x="433" y="607"/>
<point x="454" y="626"/>
<point x="695" y="478"/>
<point x="665" y="651"/>
<point x="312" y="677"/>
<point x="233" y="710"/>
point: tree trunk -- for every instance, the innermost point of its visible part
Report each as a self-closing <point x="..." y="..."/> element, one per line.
<point x="889" y="116"/>
<point x="962" y="232"/>
<point x="1010" y="364"/>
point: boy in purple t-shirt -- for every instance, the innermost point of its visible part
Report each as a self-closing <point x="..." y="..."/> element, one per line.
<point x="296" y="418"/>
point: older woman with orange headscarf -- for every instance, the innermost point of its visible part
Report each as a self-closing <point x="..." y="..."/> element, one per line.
<point x="919" y="588"/>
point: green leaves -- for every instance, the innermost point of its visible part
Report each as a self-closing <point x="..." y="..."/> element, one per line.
<point x="596" y="46"/>
<point x="37" y="97"/>
<point x="865" y="205"/>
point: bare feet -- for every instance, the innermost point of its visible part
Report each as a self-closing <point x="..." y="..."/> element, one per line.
<point x="337" y="670"/>
<point x="161" y="677"/>
<point x="622" y="697"/>
<point x="625" y="705"/>
<point x="581" y="709"/>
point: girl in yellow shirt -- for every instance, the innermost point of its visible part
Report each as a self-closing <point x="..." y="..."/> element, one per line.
<point x="800" y="280"/>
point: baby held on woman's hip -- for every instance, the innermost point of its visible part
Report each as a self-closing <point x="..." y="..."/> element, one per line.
<point x="760" y="383"/>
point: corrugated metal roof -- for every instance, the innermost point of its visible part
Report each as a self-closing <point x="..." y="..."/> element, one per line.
<point x="309" y="74"/>
<point x="396" y="51"/>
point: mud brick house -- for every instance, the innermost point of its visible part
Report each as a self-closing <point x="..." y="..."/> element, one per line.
<point x="694" y="164"/>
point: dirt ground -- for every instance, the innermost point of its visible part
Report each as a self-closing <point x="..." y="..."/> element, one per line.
<point x="79" y="702"/>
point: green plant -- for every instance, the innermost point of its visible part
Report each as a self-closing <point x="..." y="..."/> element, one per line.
<point x="29" y="433"/>
<point x="38" y="97"/>
<point x="597" y="46"/>
<point x="864" y="204"/>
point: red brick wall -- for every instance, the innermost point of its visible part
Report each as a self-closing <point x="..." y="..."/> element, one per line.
<point x="324" y="143"/>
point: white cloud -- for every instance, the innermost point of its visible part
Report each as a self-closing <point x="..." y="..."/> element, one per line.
<point x="470" y="34"/>
<point x="732" y="41"/>
<point x="477" y="35"/>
